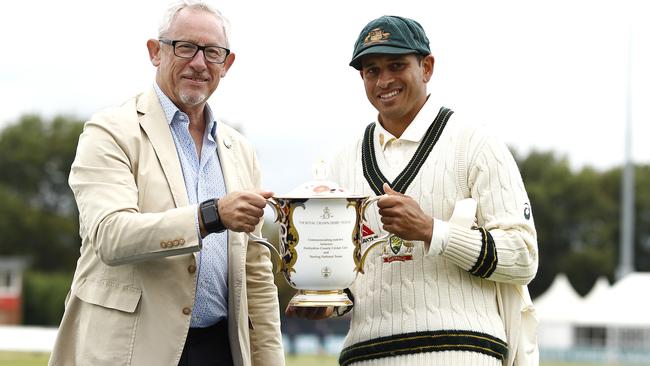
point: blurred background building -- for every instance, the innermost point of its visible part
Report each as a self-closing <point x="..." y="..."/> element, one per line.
<point x="11" y="287"/>
<point x="610" y="325"/>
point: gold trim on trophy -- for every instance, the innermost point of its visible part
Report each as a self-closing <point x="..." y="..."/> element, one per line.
<point x="316" y="298"/>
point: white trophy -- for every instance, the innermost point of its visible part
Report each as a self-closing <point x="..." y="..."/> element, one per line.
<point x="320" y="240"/>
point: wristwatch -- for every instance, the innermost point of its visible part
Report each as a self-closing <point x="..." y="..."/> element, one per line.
<point x="210" y="216"/>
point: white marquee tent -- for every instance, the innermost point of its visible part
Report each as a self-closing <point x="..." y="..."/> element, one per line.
<point x="612" y="317"/>
<point x="600" y="289"/>
<point x="557" y="310"/>
<point x="625" y="304"/>
<point x="560" y="303"/>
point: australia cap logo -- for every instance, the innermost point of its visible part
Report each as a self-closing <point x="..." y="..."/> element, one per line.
<point x="376" y="35"/>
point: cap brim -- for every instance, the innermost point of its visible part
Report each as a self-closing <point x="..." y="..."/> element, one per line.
<point x="379" y="50"/>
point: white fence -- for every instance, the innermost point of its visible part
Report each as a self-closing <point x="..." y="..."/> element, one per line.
<point x="41" y="339"/>
<point x="27" y="339"/>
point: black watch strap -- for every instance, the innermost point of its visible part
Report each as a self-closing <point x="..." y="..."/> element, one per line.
<point x="210" y="216"/>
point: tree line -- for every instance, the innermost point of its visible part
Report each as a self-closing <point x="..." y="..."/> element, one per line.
<point x="576" y="212"/>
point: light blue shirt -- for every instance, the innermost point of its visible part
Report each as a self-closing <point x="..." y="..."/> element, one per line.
<point x="203" y="180"/>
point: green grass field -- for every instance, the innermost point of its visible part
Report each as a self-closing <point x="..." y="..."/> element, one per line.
<point x="23" y="359"/>
<point x="40" y="359"/>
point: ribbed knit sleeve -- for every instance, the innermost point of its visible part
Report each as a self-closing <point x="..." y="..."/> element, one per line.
<point x="504" y="212"/>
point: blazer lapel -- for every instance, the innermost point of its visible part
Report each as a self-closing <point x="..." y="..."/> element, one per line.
<point x="236" y="241"/>
<point x="227" y="159"/>
<point x="153" y="122"/>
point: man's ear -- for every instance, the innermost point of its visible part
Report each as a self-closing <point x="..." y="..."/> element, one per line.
<point x="153" y="46"/>
<point x="227" y="63"/>
<point x="427" y="67"/>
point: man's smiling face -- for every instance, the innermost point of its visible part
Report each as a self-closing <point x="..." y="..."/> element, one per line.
<point x="396" y="84"/>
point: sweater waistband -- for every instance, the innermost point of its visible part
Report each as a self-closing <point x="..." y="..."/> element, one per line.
<point x="429" y="341"/>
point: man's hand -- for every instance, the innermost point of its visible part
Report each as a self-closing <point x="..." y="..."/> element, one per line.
<point x="312" y="313"/>
<point x="241" y="211"/>
<point x="402" y="216"/>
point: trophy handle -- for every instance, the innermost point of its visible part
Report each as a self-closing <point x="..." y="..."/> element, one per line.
<point x="375" y="242"/>
<point x="264" y="241"/>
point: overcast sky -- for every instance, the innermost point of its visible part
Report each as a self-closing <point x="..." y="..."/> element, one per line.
<point x="549" y="75"/>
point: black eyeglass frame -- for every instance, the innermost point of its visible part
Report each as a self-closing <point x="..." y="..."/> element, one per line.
<point x="173" y="42"/>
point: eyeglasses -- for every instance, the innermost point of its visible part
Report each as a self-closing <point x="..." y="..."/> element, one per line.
<point x="187" y="50"/>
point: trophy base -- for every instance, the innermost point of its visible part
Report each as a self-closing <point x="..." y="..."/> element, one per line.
<point x="317" y="298"/>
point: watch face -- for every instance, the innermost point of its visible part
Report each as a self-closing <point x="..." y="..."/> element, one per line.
<point x="210" y="217"/>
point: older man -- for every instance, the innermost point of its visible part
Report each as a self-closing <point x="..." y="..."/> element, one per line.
<point x="166" y="192"/>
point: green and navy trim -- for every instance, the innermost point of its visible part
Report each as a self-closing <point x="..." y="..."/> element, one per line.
<point x="487" y="259"/>
<point x="371" y="170"/>
<point x="419" y="342"/>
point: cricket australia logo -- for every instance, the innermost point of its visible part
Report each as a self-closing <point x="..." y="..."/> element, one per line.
<point x="397" y="249"/>
<point x="395" y="243"/>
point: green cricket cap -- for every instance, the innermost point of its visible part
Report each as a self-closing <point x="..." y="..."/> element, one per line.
<point x="390" y="35"/>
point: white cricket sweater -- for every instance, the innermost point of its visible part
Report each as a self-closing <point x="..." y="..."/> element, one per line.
<point x="429" y="295"/>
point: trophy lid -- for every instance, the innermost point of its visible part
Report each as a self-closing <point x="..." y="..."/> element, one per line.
<point x="320" y="187"/>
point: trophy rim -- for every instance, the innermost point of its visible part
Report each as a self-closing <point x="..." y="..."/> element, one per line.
<point x="320" y="298"/>
<point x="291" y="197"/>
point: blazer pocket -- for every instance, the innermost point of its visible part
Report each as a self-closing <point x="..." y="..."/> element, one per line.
<point x="107" y="322"/>
<point x="110" y="295"/>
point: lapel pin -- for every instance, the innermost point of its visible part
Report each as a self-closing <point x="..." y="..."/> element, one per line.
<point x="227" y="143"/>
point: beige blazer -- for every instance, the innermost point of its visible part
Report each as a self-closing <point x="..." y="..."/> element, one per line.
<point x="131" y="297"/>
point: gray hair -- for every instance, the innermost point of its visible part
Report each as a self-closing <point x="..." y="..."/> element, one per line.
<point x="175" y="7"/>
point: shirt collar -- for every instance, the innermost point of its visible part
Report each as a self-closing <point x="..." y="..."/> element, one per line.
<point x="173" y="114"/>
<point x="418" y="127"/>
<point x="169" y="108"/>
